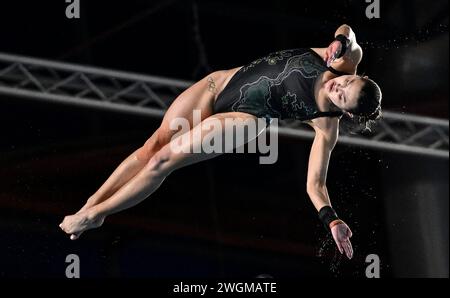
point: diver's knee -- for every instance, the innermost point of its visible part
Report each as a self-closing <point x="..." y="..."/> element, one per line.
<point x="160" y="163"/>
<point x="164" y="137"/>
<point x="151" y="146"/>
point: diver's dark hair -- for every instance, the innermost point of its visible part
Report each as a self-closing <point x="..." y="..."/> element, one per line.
<point x="368" y="110"/>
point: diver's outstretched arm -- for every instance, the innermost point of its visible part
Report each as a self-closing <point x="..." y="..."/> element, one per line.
<point x="323" y="144"/>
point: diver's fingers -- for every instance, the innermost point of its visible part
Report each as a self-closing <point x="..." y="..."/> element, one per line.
<point x="339" y="245"/>
<point x="348" y="249"/>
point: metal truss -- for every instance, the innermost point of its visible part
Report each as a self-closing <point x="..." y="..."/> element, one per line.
<point x="151" y="95"/>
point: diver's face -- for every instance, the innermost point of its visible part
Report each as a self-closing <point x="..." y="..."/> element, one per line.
<point x="344" y="91"/>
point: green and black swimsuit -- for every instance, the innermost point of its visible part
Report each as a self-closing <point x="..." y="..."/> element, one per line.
<point x="280" y="85"/>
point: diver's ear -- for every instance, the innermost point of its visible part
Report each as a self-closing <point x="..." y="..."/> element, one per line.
<point x="366" y="77"/>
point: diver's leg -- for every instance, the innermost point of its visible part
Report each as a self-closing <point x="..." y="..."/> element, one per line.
<point x="162" y="164"/>
<point x="200" y="97"/>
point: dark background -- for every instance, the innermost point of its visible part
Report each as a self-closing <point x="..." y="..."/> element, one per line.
<point x="229" y="217"/>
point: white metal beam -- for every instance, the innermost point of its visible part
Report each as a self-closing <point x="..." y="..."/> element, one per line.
<point x="146" y="95"/>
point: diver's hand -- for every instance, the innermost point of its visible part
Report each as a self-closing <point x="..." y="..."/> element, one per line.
<point x="341" y="235"/>
<point x="332" y="52"/>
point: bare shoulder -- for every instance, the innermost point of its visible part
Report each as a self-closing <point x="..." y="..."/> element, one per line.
<point x="327" y="126"/>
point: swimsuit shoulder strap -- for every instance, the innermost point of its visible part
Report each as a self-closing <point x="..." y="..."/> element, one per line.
<point x="329" y="114"/>
<point x="337" y="72"/>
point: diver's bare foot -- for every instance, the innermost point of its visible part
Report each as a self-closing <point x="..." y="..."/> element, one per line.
<point x="76" y="224"/>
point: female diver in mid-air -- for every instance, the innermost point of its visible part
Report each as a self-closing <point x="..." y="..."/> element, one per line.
<point x="316" y="86"/>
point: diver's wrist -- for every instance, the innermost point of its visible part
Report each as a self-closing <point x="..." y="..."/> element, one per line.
<point x="345" y="42"/>
<point x="335" y="223"/>
<point x="327" y="216"/>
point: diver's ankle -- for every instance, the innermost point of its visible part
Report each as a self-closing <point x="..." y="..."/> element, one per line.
<point x="92" y="214"/>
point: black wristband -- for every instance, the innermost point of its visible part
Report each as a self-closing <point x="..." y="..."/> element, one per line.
<point x="327" y="215"/>
<point x="345" y="43"/>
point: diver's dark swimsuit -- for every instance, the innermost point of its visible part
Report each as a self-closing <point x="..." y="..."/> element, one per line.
<point x="280" y="85"/>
